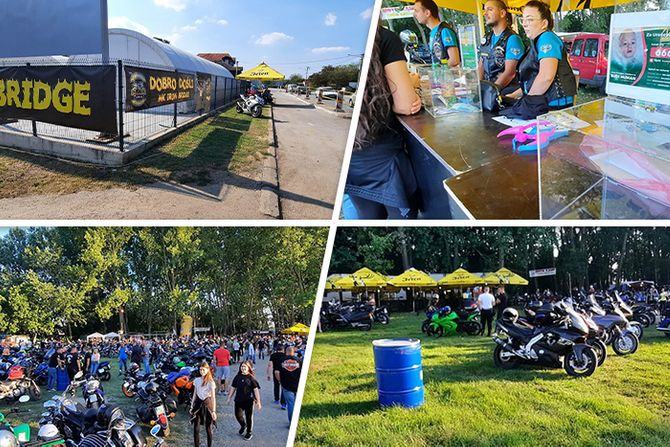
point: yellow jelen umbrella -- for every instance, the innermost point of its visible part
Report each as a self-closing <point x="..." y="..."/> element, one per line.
<point x="263" y="72"/>
<point x="331" y="283"/>
<point x="299" y="329"/>
<point x="370" y="278"/>
<point x="511" y="278"/>
<point x="461" y="277"/>
<point x="413" y="278"/>
<point x="515" y="6"/>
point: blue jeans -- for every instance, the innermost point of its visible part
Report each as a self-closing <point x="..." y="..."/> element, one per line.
<point x="252" y="357"/>
<point x="94" y="368"/>
<point x="147" y="367"/>
<point x="289" y="397"/>
<point x="123" y="364"/>
<point x="51" y="379"/>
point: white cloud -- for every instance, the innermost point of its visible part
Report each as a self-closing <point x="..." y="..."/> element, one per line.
<point x="272" y="38"/>
<point x="125" y="22"/>
<point x="199" y="22"/>
<point x="189" y="28"/>
<point x="172" y="38"/>
<point x="222" y="22"/>
<point x="367" y="14"/>
<point x="330" y="19"/>
<point x="177" y="5"/>
<point x="322" y="50"/>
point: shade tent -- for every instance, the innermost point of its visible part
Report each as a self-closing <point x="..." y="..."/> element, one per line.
<point x="505" y="276"/>
<point x="515" y="6"/>
<point x="95" y="335"/>
<point x="263" y="72"/>
<point x="331" y="283"/>
<point x="461" y="277"/>
<point x="298" y="329"/>
<point x="413" y="278"/>
<point x="111" y="335"/>
<point x="362" y="278"/>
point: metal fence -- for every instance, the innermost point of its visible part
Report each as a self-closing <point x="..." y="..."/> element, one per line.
<point x="136" y="126"/>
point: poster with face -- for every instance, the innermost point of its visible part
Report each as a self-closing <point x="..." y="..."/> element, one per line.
<point x="639" y="56"/>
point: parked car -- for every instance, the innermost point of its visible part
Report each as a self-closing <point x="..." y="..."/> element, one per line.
<point x="328" y="92"/>
<point x="589" y="55"/>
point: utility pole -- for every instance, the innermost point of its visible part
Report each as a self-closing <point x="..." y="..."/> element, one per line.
<point x="306" y="72"/>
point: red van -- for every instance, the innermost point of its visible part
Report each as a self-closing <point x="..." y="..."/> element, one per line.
<point x="588" y="54"/>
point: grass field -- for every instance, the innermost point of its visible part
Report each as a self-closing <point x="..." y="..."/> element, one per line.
<point x="181" y="430"/>
<point x="471" y="403"/>
<point x="226" y="142"/>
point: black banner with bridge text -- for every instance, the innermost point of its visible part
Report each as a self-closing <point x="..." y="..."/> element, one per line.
<point x="68" y="95"/>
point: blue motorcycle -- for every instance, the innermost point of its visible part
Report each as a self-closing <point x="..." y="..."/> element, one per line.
<point x="664" y="325"/>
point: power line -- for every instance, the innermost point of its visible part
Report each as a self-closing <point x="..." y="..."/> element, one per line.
<point x="315" y="61"/>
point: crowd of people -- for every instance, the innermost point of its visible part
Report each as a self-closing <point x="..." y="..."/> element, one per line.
<point x="215" y="356"/>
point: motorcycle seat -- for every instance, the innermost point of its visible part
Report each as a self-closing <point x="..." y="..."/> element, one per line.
<point x="516" y="330"/>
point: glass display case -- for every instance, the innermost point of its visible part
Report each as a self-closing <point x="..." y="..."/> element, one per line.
<point x="447" y="90"/>
<point x="614" y="162"/>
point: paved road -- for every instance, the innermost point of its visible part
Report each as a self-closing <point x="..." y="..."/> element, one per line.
<point x="270" y="424"/>
<point x="311" y="149"/>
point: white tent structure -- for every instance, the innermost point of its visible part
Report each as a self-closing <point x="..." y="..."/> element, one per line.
<point x="111" y="335"/>
<point x="94" y="336"/>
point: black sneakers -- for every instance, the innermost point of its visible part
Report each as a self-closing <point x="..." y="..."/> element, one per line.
<point x="248" y="436"/>
<point x="242" y="429"/>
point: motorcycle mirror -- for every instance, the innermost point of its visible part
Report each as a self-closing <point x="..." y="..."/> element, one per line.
<point x="155" y="430"/>
<point x="23" y="399"/>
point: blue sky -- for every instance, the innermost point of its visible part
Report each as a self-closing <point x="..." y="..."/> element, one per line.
<point x="288" y="35"/>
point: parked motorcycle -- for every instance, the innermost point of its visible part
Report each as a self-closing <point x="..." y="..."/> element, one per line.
<point x="448" y="322"/>
<point x="19" y="383"/>
<point x="664" y="325"/>
<point x="347" y="317"/>
<point x="155" y="407"/>
<point x="104" y="371"/>
<point x="94" y="395"/>
<point x="615" y="328"/>
<point x="252" y="105"/>
<point x="561" y="344"/>
<point x="19" y="435"/>
<point x="381" y="315"/>
<point x="267" y="96"/>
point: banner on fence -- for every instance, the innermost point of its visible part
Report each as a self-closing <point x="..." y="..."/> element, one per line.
<point x="203" y="99"/>
<point x="146" y="88"/>
<point x="72" y="96"/>
<point x="542" y="272"/>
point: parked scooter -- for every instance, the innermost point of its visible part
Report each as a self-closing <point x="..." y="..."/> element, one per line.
<point x="562" y="343"/>
<point x="19" y="383"/>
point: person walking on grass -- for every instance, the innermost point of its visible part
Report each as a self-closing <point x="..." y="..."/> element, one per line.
<point x="486" y="301"/>
<point x="123" y="359"/>
<point x="95" y="362"/>
<point x="289" y="376"/>
<point x="203" y="404"/>
<point x="245" y="390"/>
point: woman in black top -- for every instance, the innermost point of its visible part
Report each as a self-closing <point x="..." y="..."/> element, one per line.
<point x="381" y="182"/>
<point x="245" y="391"/>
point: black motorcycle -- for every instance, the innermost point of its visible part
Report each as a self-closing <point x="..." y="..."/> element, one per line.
<point x="559" y="342"/>
<point x="381" y="315"/>
<point x="155" y="407"/>
<point x="347" y="317"/>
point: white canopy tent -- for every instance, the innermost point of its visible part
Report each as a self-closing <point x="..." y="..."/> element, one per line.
<point x="111" y="335"/>
<point x="94" y="335"/>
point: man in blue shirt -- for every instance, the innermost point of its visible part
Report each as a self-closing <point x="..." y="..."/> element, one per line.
<point x="444" y="47"/>
<point x="501" y="48"/>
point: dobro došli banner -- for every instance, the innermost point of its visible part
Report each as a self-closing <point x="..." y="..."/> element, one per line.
<point x="147" y="88"/>
<point x="72" y="96"/>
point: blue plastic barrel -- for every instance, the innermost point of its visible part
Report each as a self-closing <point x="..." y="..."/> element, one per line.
<point x="399" y="372"/>
<point x="62" y="379"/>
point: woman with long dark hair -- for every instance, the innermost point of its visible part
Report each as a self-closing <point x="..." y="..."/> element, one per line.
<point x="381" y="182"/>
<point x="245" y="389"/>
<point x="203" y="404"/>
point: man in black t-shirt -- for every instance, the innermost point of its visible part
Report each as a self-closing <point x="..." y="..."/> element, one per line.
<point x="53" y="372"/>
<point x="73" y="366"/>
<point x="273" y="365"/>
<point x="289" y="377"/>
<point x="501" y="300"/>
